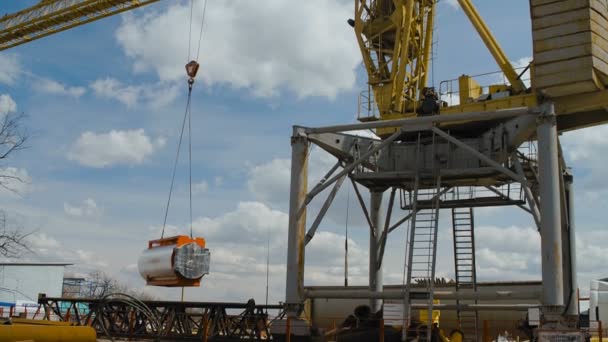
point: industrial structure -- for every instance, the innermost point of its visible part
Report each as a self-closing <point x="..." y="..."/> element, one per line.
<point x="20" y="282"/>
<point x="431" y="156"/>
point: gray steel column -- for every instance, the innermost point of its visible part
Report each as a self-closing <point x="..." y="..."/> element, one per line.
<point x="294" y="289"/>
<point x="375" y="269"/>
<point x="569" y="188"/>
<point x="550" y="231"/>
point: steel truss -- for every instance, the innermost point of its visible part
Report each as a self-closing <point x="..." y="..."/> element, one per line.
<point x="441" y="161"/>
<point x="165" y="320"/>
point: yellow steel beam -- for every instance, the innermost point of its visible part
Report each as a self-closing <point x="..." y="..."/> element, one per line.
<point x="492" y="45"/>
<point x="52" y="16"/>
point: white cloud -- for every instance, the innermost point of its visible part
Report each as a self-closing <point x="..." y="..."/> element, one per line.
<point x="251" y="222"/>
<point x="7" y="104"/>
<point x="88" y="208"/>
<point x="452" y="3"/>
<point x="153" y="95"/>
<point x="41" y="242"/>
<point x="270" y="181"/>
<point x="10" y="68"/>
<point x="586" y="150"/>
<point x="48" y="86"/>
<point x="44" y="247"/>
<point x="295" y="52"/>
<point x="15" y="181"/>
<point x="238" y="243"/>
<point x="507" y="253"/>
<point x="129" y="147"/>
<point x="200" y="187"/>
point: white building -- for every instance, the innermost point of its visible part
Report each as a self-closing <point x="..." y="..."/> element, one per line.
<point x="20" y="283"/>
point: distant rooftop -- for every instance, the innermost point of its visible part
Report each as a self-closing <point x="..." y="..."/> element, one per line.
<point x="36" y="264"/>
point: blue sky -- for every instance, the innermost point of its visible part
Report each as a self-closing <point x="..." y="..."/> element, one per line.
<point x="104" y="103"/>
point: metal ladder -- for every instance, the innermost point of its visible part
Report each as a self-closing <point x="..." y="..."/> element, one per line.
<point x="464" y="258"/>
<point x="422" y="252"/>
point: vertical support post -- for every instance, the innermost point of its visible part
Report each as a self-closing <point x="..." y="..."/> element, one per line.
<point x="35" y="313"/>
<point x="486" y="331"/>
<point x="294" y="288"/>
<point x="381" y="331"/>
<point x="375" y="242"/>
<point x="573" y="309"/>
<point x="132" y="323"/>
<point x="288" y="330"/>
<point x="205" y="328"/>
<point x="550" y="231"/>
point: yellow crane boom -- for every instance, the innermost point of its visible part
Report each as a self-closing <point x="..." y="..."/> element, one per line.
<point x="52" y="16"/>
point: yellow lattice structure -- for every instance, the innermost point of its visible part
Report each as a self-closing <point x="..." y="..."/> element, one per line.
<point x="52" y="16"/>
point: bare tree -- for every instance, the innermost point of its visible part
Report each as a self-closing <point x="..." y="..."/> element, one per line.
<point x="13" y="241"/>
<point x="12" y="138"/>
<point x="99" y="284"/>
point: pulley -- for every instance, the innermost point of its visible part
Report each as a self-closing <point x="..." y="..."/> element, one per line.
<point x="176" y="261"/>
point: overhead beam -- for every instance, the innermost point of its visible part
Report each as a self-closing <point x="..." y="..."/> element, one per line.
<point x="53" y="16"/>
<point x="423" y="121"/>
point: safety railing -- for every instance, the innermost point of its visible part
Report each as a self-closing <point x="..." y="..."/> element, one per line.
<point x="449" y="90"/>
<point x="367" y="110"/>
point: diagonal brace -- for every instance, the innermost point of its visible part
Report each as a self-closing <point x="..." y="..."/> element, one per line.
<point x="330" y="198"/>
<point x="480" y="155"/>
<point x="387" y="222"/>
<point x="363" y="207"/>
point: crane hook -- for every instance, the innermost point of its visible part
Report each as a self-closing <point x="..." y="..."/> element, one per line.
<point x="191" y="70"/>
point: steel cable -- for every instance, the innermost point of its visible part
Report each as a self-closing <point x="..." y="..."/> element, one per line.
<point x="179" y="145"/>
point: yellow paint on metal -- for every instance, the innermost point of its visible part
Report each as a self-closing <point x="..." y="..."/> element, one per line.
<point x="395" y="38"/>
<point x="424" y="314"/>
<point x="46" y="333"/>
<point x="52" y="16"/>
<point x="469" y="90"/>
<point x="40" y="322"/>
<point x="456" y="336"/>
<point x="497" y="88"/>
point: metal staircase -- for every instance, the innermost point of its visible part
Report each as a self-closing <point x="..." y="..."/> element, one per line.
<point x="464" y="258"/>
<point x="422" y="251"/>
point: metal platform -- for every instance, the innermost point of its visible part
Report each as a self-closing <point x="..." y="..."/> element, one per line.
<point x="164" y="320"/>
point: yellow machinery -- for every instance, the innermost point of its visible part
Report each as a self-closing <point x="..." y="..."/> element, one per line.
<point x="395" y="36"/>
<point x="570" y="62"/>
<point x="45" y="331"/>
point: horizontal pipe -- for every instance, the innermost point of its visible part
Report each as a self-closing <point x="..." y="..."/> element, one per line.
<point x="478" y="307"/>
<point x="46" y="333"/>
<point x="445" y="118"/>
<point x="398" y="294"/>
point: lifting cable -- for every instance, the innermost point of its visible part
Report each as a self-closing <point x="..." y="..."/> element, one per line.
<point x="191" y="70"/>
